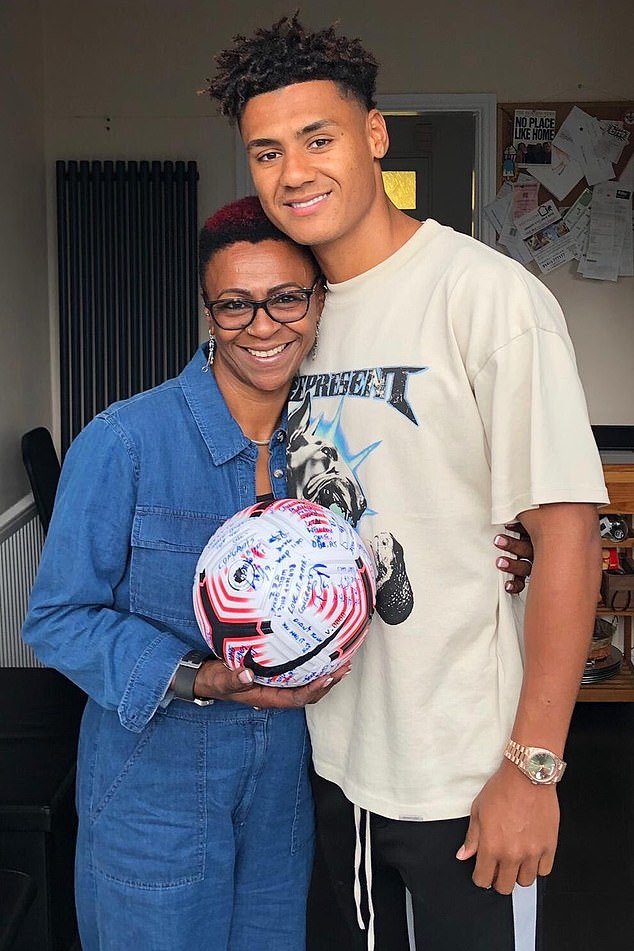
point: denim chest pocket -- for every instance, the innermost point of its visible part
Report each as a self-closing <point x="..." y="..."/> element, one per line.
<point x="166" y="545"/>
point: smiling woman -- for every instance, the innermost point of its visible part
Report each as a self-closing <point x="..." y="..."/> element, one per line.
<point x="191" y="812"/>
<point x="262" y="314"/>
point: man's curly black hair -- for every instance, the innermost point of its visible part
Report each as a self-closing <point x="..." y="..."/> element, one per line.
<point x="286" y="54"/>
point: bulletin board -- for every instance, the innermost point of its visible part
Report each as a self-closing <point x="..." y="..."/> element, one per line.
<point x="615" y="111"/>
<point x="559" y="196"/>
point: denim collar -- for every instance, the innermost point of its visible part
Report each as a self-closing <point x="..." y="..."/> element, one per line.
<point x="222" y="435"/>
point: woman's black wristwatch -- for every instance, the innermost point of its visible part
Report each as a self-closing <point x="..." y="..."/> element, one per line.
<point x="185" y="677"/>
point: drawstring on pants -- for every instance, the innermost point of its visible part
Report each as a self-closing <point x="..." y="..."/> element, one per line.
<point x="368" y="873"/>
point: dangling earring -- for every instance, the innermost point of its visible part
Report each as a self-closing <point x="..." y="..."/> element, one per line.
<point x="211" y="352"/>
<point x="315" y="346"/>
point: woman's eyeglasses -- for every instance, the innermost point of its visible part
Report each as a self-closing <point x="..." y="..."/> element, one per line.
<point x="236" y="313"/>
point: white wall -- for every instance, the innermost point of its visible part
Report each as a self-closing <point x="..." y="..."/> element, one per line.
<point x="24" y="320"/>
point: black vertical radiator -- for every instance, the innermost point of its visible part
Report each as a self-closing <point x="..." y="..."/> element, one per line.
<point x="127" y="239"/>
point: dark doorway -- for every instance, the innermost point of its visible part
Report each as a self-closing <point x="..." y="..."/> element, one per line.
<point x="434" y="154"/>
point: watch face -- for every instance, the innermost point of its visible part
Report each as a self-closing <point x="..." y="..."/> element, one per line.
<point x="541" y="766"/>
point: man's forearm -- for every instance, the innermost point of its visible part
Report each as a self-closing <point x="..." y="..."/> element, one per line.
<point x="513" y="825"/>
<point x="560" y="612"/>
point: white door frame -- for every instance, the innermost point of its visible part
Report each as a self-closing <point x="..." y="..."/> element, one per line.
<point x="483" y="108"/>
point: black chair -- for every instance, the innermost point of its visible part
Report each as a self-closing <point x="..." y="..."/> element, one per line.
<point x="43" y="468"/>
<point x="17" y="891"/>
<point x="40" y="713"/>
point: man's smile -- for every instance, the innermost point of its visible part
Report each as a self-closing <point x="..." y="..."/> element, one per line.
<point x="304" y="203"/>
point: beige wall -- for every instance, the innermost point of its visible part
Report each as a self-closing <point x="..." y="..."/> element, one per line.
<point x="140" y="62"/>
<point x="24" y="321"/>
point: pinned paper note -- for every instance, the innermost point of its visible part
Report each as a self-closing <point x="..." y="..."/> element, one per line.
<point x="536" y="220"/>
<point x="561" y="176"/>
<point x="610" y="218"/>
<point x="580" y="136"/>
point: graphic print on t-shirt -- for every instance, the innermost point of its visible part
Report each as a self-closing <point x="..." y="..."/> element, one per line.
<point x="318" y="471"/>
<point x="388" y="384"/>
<point x="321" y="470"/>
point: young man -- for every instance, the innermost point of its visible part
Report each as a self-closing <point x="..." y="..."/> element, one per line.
<point x="444" y="392"/>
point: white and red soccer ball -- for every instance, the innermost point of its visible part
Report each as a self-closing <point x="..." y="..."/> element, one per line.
<point x="286" y="589"/>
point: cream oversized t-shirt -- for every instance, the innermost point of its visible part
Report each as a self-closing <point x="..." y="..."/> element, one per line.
<point x="444" y="399"/>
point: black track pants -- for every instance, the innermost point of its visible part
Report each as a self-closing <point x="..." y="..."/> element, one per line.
<point x="450" y="913"/>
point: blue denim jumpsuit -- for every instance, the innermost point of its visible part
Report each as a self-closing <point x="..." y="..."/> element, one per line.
<point x="195" y="823"/>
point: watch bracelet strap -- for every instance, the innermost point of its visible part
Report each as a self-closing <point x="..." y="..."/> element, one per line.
<point x="183" y="684"/>
<point x="515" y="752"/>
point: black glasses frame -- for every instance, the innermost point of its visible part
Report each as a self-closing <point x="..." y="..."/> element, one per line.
<point x="264" y="304"/>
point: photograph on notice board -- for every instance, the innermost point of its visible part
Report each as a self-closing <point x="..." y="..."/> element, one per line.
<point x="533" y="133"/>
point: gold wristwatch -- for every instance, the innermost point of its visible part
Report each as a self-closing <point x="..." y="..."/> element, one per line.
<point x="542" y="766"/>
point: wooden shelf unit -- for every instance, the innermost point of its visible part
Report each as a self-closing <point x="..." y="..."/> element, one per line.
<point x="619" y="480"/>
